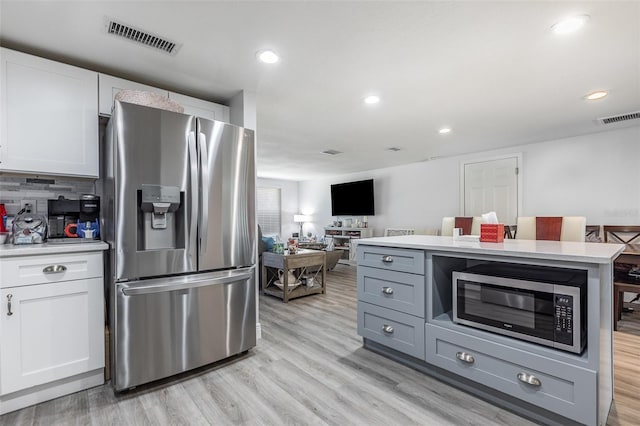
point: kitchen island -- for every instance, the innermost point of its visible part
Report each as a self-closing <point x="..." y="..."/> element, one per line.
<point x="405" y="312"/>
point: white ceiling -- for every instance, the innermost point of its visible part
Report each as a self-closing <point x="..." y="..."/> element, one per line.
<point x="493" y="71"/>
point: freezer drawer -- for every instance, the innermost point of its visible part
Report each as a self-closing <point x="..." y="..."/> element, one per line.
<point x="164" y="327"/>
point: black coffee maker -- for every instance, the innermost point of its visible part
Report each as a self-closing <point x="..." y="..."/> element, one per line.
<point x="74" y="218"/>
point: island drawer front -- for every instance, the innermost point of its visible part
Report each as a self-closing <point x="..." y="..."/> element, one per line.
<point x="404" y="333"/>
<point x="564" y="388"/>
<point x="390" y="289"/>
<point x="27" y="270"/>
<point x="393" y="259"/>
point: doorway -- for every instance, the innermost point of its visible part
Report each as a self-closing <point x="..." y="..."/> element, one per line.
<point x="492" y="185"/>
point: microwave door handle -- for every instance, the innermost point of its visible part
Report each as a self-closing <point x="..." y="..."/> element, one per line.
<point x="193" y="175"/>
<point x="204" y="206"/>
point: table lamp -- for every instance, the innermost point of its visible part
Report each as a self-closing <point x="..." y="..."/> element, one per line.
<point x="301" y="219"/>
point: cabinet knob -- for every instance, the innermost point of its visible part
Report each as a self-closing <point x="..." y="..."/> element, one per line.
<point x="54" y="269"/>
<point x="465" y="357"/>
<point x="387" y="290"/>
<point x="387" y="329"/>
<point x="387" y="259"/>
<point x="9" y="297"/>
<point x="529" y="379"/>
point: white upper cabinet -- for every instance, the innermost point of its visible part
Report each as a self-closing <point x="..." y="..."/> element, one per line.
<point x="110" y="86"/>
<point x="48" y="117"/>
<point x="200" y="108"/>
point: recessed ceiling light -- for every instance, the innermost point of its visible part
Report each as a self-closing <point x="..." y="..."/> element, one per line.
<point x="372" y="99"/>
<point x="444" y="130"/>
<point x="267" y="56"/>
<point x="594" y="96"/>
<point x="569" y="25"/>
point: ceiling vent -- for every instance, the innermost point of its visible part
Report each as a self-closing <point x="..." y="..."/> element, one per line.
<point x="620" y="118"/>
<point x="145" y="38"/>
<point x="332" y="152"/>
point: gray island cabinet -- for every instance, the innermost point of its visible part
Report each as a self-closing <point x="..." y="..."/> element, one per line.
<point x="405" y="312"/>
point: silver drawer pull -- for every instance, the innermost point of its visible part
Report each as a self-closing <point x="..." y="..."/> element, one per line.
<point x="387" y="259"/>
<point x="54" y="269"/>
<point x="387" y="329"/>
<point x="465" y="357"/>
<point x="387" y="290"/>
<point x="9" y="296"/>
<point x="529" y="379"/>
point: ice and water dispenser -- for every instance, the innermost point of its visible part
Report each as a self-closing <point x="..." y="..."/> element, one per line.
<point x="161" y="217"/>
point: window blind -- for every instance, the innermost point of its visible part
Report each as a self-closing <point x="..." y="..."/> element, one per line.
<point x="268" y="210"/>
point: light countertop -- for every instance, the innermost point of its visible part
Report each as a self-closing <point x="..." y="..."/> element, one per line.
<point x="533" y="249"/>
<point x="11" y="250"/>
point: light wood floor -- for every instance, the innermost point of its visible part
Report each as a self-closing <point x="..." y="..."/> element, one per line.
<point x="310" y="368"/>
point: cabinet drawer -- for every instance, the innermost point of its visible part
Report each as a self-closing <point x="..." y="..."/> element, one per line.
<point x="390" y="289"/>
<point x="564" y="389"/>
<point x="27" y="270"/>
<point x="394" y="259"/>
<point x="402" y="332"/>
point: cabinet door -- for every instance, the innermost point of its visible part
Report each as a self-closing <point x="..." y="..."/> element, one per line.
<point x="51" y="332"/>
<point x="201" y="108"/>
<point x="48" y="118"/>
<point x="110" y="86"/>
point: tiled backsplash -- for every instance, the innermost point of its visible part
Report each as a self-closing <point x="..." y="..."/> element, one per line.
<point x="15" y="189"/>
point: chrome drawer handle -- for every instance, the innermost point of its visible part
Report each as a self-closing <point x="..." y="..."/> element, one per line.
<point x="465" y="357"/>
<point x="9" y="297"/>
<point x="387" y="259"/>
<point x="387" y="329"/>
<point x="529" y="379"/>
<point x="54" y="269"/>
<point x="387" y="290"/>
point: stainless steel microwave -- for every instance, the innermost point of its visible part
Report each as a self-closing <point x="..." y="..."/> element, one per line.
<point x="543" y="305"/>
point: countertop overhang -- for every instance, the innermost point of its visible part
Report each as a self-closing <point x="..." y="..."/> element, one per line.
<point x="12" y="250"/>
<point x="533" y="249"/>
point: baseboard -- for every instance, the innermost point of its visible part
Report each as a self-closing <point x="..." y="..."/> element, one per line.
<point x="37" y="394"/>
<point x="258" y="331"/>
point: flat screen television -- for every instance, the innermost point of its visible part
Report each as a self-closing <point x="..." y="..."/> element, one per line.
<point x="352" y="199"/>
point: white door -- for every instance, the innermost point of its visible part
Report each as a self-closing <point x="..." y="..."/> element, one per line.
<point x="50" y="332"/>
<point x="492" y="186"/>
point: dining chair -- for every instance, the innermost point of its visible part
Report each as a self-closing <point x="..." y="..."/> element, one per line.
<point x="469" y="225"/>
<point x="592" y="233"/>
<point x="628" y="235"/>
<point x="554" y="228"/>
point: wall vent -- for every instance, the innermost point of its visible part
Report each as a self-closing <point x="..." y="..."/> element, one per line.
<point x="619" y="118"/>
<point x="332" y="152"/>
<point x="145" y="38"/>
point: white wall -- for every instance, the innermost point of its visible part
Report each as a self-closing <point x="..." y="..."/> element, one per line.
<point x="596" y="175"/>
<point x="289" y="203"/>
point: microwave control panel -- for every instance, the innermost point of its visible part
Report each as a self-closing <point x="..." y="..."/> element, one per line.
<point x="563" y="320"/>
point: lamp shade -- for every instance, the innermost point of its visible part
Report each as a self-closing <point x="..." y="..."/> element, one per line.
<point x="301" y="218"/>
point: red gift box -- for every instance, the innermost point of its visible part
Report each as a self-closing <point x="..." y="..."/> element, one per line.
<point x="491" y="232"/>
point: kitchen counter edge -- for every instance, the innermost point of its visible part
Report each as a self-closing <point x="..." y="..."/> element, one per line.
<point x="11" y="250"/>
<point x="601" y="253"/>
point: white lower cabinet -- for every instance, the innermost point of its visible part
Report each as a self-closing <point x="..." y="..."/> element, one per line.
<point x="52" y="331"/>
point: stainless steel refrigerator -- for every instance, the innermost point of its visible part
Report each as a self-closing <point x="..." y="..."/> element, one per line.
<point x="179" y="213"/>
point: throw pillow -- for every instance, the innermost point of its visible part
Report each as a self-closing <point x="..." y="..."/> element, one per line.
<point x="269" y="242"/>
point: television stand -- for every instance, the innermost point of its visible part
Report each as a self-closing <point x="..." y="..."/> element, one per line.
<point x="345" y="239"/>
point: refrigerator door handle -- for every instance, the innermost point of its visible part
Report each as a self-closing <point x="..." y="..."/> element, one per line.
<point x="193" y="174"/>
<point x="161" y="288"/>
<point x="204" y="206"/>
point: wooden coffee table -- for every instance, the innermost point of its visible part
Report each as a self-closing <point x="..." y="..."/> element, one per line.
<point x="300" y="265"/>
